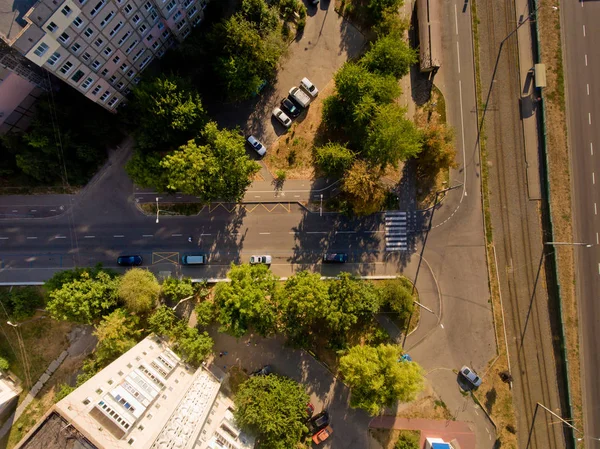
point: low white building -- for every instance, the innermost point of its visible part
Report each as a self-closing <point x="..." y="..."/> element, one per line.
<point x="9" y="392"/>
<point x="146" y="399"/>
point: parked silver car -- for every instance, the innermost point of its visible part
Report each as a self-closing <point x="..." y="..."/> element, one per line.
<point x="471" y="376"/>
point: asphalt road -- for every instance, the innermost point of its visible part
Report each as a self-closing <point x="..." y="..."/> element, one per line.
<point x="582" y="70"/>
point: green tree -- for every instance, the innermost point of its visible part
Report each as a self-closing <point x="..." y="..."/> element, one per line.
<point x="247" y="301"/>
<point x="168" y="110"/>
<point x="117" y="333"/>
<point x="139" y="290"/>
<point x="378" y="379"/>
<point x="85" y="299"/>
<point x="408" y="440"/>
<point x="264" y="17"/>
<point x="144" y="170"/>
<point x="397" y="294"/>
<point x="21" y="302"/>
<point x="438" y="152"/>
<point x="4" y="365"/>
<point x="390" y="23"/>
<point x="334" y="158"/>
<point x="163" y="321"/>
<point x="377" y="8"/>
<point x="176" y="289"/>
<point x="304" y="301"/>
<point x="391" y="137"/>
<point x="274" y="408"/>
<point x="192" y="345"/>
<point x="218" y="170"/>
<point x="390" y="55"/>
<point x="364" y="189"/>
<point x="205" y="313"/>
<point x="60" y="278"/>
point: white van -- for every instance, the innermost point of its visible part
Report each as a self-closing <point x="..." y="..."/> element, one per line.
<point x="193" y="259"/>
<point x="300" y="97"/>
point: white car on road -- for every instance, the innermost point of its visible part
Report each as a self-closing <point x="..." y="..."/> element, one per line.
<point x="260" y="259"/>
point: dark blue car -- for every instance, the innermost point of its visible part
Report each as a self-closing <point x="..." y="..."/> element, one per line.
<point x="129" y="261"/>
<point x="335" y="258"/>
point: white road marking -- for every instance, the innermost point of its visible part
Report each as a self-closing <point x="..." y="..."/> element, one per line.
<point x="588" y="89"/>
<point x="597" y="241"/>
<point x="118" y="236"/>
<point x="372" y="232"/>
<point x="317" y="232"/>
<point x="175" y="235"/>
<point x="456" y="19"/>
<point x="89" y="236"/>
<point x="3" y="238"/>
<point x="60" y="237"/>
<point x="345" y="232"/>
<point x="584" y="31"/>
<point x="15" y="210"/>
<point x="33" y="210"/>
<point x="590" y="118"/>
<point x="586" y="60"/>
<point x="458" y="55"/>
<point x="31" y="238"/>
<point x="203" y="234"/>
<point x="593" y="178"/>
<point x="52" y="210"/>
<point x="264" y="233"/>
<point x="595" y="209"/>
<point x="441" y="325"/>
<point x="292" y="232"/>
<point x="296" y="196"/>
<point x="599" y="268"/>
<point x="462" y="126"/>
<point x="256" y="196"/>
<point x="147" y="235"/>
<point x="592" y="148"/>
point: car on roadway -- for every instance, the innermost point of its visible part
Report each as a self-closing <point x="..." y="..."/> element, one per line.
<point x="260" y="259"/>
<point x="309" y="87"/>
<point x="257" y="145"/>
<point x="282" y="117"/>
<point x="290" y="108"/>
<point x="335" y="258"/>
<point x="471" y="376"/>
<point x="322" y="435"/>
<point x="129" y="261"/>
<point x="264" y="371"/>
<point x="318" y="422"/>
<point x="194" y="259"/>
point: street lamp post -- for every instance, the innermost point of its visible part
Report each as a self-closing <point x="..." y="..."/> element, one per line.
<point x="157" y="209"/>
<point x="321" y="207"/>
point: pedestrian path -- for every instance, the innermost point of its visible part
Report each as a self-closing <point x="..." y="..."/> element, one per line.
<point x="397" y="227"/>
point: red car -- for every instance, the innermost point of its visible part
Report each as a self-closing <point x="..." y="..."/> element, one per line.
<point x="322" y="435"/>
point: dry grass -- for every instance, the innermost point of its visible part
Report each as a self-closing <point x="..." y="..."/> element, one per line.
<point x="548" y="22"/>
<point x="293" y="152"/>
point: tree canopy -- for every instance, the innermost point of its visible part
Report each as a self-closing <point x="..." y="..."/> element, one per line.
<point x="177" y="289"/>
<point x="168" y="110"/>
<point x="247" y="301"/>
<point x="117" y="333"/>
<point x="274" y="408"/>
<point x="192" y="345"/>
<point x="390" y="55"/>
<point x="334" y="158"/>
<point x="84" y="299"/>
<point x="219" y="169"/>
<point x="139" y="290"/>
<point x="377" y="378"/>
<point x="364" y="189"/>
<point x="397" y="294"/>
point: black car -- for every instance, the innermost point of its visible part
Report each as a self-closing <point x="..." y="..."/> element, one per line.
<point x="290" y="108"/>
<point x="335" y="258"/>
<point x="264" y="371"/>
<point x="129" y="261"/>
<point x="318" y="422"/>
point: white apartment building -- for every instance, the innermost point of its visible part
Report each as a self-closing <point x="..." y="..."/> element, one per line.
<point x="146" y="399"/>
<point x="98" y="47"/>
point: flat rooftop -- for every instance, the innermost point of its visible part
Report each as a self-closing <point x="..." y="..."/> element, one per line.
<point x="12" y="13"/>
<point x="56" y="433"/>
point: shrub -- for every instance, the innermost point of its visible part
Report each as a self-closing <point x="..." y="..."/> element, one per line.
<point x="334" y="158"/>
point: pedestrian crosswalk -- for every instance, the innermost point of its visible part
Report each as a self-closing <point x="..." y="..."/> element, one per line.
<point x="397" y="225"/>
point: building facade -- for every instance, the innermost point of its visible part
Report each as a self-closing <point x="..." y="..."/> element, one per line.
<point x="98" y="47"/>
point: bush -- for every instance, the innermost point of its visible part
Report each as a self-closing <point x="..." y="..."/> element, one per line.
<point x="408" y="440"/>
<point x="281" y="175"/>
<point x="4" y="365"/>
<point x="21" y="302"/>
<point x="334" y="158"/>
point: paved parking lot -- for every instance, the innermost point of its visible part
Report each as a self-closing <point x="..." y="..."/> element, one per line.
<point x="327" y="42"/>
<point x="349" y="425"/>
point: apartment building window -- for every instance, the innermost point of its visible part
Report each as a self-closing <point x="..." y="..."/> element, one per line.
<point x="66" y="11"/>
<point x="96" y="64"/>
<point x="111" y="103"/>
<point x="171" y="5"/>
<point x="142" y="29"/>
<point x="143" y="64"/>
<point x="96" y="89"/>
<point x="97" y="8"/>
<point x="160" y="53"/>
<point x="154" y="16"/>
<point x="54" y="58"/>
<point x="75" y="47"/>
<point x="43" y="48"/>
<point x="78" y="75"/>
<point x="52" y="27"/>
<point x="136" y="19"/>
<point x="120" y="85"/>
<point x="192" y="12"/>
<point x="136" y="81"/>
<point x="138" y="54"/>
<point x="187" y="3"/>
<point x="89" y="32"/>
<point x="116" y="59"/>
<point x="132" y="46"/>
<point x="107" y="19"/>
<point x="180" y="24"/>
<point x="177" y="16"/>
<point x="104" y="96"/>
<point x="104" y="72"/>
<point x="112" y="79"/>
<point x="148" y="6"/>
<point x="108" y="51"/>
<point x="124" y="67"/>
<point x="77" y="22"/>
<point x="98" y="42"/>
<point x="86" y="56"/>
<point x="186" y="32"/>
<point x="124" y="38"/>
<point x="165" y="34"/>
<point x="149" y="38"/>
<point x="87" y="83"/>
<point x="161" y="26"/>
<point x="130" y="73"/>
<point x="116" y="29"/>
<point x="155" y="45"/>
<point x="66" y="67"/>
<point x="64" y="38"/>
<point x="128" y="8"/>
<point x="197" y="20"/>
